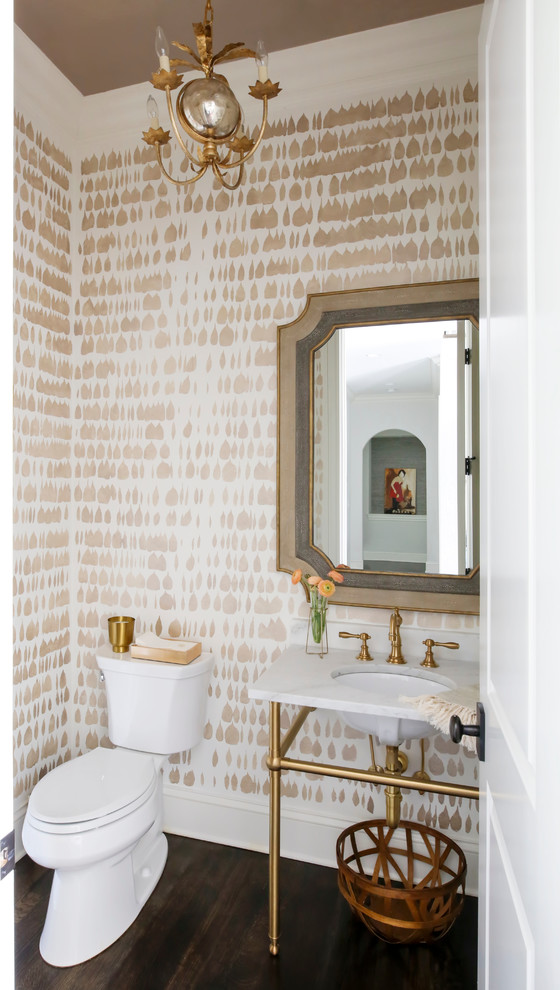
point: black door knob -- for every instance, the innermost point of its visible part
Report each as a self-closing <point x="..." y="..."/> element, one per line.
<point x="457" y="730"/>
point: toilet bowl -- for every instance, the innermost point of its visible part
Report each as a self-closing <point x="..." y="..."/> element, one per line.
<point x="79" y="825"/>
<point x="97" y="819"/>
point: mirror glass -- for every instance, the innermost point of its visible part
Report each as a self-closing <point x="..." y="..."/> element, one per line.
<point x="393" y="447"/>
<point x="378" y="467"/>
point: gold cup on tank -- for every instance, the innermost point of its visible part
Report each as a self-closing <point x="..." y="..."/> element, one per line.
<point x="121" y="632"/>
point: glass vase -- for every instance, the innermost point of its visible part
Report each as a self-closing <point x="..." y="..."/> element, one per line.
<point x="317" y="640"/>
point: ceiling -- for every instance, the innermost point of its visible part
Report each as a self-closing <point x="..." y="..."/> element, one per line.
<point x="373" y="358"/>
<point x="101" y="45"/>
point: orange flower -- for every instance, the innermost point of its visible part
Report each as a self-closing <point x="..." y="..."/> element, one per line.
<point x="313" y="580"/>
<point x="296" y="577"/>
<point x="336" y="576"/>
<point x="326" y="588"/>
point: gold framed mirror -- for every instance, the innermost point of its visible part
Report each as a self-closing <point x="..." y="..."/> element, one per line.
<point x="378" y="431"/>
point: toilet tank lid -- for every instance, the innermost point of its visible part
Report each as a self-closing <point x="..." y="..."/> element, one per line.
<point x="92" y="786"/>
<point x="123" y="663"/>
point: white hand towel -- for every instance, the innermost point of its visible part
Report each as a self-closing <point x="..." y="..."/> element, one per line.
<point x="437" y="709"/>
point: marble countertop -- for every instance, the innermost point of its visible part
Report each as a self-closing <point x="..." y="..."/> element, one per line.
<point x="299" y="678"/>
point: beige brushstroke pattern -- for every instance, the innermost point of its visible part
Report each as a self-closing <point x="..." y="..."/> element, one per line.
<point x="43" y="372"/>
<point x="146" y="408"/>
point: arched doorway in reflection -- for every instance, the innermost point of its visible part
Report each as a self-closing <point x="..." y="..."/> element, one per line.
<point x="405" y="389"/>
<point x="394" y="504"/>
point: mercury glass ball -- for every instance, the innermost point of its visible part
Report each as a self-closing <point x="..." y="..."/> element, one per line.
<point x="210" y="108"/>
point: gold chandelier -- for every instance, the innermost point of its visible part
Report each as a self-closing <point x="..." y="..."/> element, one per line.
<point x="206" y="109"/>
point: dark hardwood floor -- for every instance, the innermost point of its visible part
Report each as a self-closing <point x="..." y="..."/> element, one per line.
<point x="205" y="928"/>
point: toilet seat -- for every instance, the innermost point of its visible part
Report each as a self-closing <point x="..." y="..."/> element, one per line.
<point x="93" y="790"/>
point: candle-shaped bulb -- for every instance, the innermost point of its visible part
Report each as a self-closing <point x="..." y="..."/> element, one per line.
<point x="152" y="108"/>
<point x="262" y="61"/>
<point x="162" y="49"/>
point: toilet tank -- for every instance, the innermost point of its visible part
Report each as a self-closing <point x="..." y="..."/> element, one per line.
<point x="153" y="706"/>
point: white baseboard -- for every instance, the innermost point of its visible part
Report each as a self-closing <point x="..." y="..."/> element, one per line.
<point x="310" y="838"/>
<point x="397" y="558"/>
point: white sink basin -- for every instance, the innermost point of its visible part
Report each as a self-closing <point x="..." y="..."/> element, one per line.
<point x="394" y="721"/>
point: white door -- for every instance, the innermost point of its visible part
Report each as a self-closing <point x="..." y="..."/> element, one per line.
<point x="520" y="494"/>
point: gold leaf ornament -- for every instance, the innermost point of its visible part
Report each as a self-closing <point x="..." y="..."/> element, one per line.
<point x="156" y="135"/>
<point x="164" y="80"/>
<point x="240" y="144"/>
<point x="262" y="89"/>
<point x="235" y="52"/>
<point x="203" y="35"/>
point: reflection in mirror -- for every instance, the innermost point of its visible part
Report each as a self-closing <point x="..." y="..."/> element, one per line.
<point x="392" y="447"/>
<point x="371" y="466"/>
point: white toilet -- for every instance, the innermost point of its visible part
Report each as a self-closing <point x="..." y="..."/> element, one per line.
<point x="97" y="820"/>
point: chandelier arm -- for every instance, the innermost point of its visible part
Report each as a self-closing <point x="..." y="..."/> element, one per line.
<point x="241" y="161"/>
<point x="184" y="147"/>
<point x="218" y="174"/>
<point x="178" y="182"/>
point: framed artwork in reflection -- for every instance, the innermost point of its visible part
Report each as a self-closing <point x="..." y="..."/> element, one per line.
<point x="400" y="491"/>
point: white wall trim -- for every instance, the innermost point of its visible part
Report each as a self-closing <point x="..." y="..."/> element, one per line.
<point x="409" y="520"/>
<point x="304" y="836"/>
<point x="404" y="556"/>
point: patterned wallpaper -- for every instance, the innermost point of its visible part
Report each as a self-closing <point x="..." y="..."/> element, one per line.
<point x="169" y="459"/>
<point x="43" y="371"/>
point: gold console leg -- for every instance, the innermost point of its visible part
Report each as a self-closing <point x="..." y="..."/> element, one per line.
<point x="274" y="828"/>
<point x="393" y="796"/>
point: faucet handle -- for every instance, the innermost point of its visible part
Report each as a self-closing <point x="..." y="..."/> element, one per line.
<point x="364" y="653"/>
<point x="428" y="660"/>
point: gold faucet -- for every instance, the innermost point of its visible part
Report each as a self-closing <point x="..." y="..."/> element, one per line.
<point x="428" y="660"/>
<point x="364" y="653"/>
<point x="395" y="622"/>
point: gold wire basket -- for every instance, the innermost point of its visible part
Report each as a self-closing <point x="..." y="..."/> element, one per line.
<point x="407" y="884"/>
